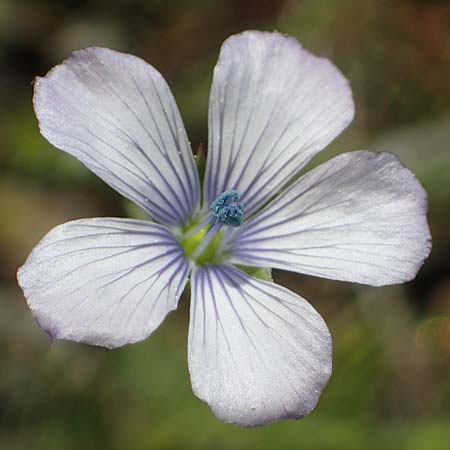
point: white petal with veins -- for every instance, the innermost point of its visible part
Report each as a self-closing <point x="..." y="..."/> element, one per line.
<point x="273" y="106"/>
<point x="116" y="114"/>
<point x="359" y="217"/>
<point x="258" y="353"/>
<point x="105" y="282"/>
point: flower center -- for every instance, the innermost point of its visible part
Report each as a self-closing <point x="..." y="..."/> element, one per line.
<point x="206" y="241"/>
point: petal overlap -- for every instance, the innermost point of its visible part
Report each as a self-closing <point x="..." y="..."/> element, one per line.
<point x="359" y="217"/>
<point x="273" y="106"/>
<point x="116" y="114"/>
<point x="104" y="281"/>
<point x="257" y="352"/>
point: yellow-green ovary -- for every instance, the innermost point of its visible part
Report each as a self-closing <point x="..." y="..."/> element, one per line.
<point x="190" y="243"/>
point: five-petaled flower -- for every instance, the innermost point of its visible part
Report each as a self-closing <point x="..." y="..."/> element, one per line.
<point x="257" y="351"/>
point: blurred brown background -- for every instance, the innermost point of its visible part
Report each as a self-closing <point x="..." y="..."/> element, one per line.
<point x="391" y="384"/>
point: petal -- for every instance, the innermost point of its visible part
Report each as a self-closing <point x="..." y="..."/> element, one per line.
<point x="105" y="282"/>
<point x="116" y="114"/>
<point x="273" y="106"/>
<point x="359" y="217"/>
<point x="258" y="353"/>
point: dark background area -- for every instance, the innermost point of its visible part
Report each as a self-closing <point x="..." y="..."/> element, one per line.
<point x="390" y="388"/>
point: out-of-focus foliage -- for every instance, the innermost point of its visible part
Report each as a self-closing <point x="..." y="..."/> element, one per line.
<point x="390" y="388"/>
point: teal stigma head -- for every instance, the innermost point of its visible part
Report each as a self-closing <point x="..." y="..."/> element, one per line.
<point x="227" y="209"/>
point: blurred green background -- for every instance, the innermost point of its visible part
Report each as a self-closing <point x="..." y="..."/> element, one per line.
<point x="390" y="388"/>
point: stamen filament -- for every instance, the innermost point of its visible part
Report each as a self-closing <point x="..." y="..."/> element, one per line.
<point x="205" y="223"/>
<point x="206" y="240"/>
<point x="227" y="234"/>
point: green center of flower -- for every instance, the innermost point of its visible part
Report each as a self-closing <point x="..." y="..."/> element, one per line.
<point x="205" y="241"/>
<point x="192" y="239"/>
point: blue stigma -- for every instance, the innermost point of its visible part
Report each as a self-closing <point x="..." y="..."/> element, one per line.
<point x="227" y="209"/>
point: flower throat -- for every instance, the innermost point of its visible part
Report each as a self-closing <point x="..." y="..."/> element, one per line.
<point x="205" y="242"/>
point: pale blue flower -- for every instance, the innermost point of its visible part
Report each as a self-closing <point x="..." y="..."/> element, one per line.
<point x="257" y="351"/>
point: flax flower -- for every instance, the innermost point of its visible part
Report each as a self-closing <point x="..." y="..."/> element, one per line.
<point x="257" y="352"/>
